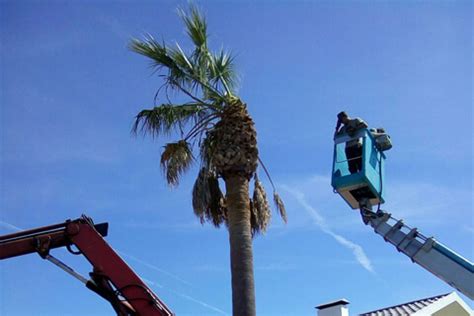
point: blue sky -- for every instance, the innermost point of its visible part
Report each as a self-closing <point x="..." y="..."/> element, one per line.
<point x="69" y="92"/>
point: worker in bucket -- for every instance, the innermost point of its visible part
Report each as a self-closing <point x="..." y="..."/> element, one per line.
<point x="353" y="150"/>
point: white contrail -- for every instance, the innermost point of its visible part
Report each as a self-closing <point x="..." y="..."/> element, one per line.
<point x="153" y="267"/>
<point x="356" y="249"/>
<point x="150" y="282"/>
<point x="10" y="226"/>
<point x="185" y="296"/>
<point x="192" y="299"/>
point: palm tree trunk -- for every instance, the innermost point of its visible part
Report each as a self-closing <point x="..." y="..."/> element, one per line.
<point x="240" y="236"/>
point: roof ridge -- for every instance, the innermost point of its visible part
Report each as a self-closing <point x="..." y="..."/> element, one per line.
<point x="407" y="303"/>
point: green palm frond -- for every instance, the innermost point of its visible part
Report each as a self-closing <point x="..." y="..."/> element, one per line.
<point x="210" y="67"/>
<point x="187" y="70"/>
<point x="162" y="58"/>
<point x="182" y="59"/>
<point x="175" y="160"/>
<point x="162" y="119"/>
<point x="150" y="48"/>
<point x="184" y="72"/>
<point x="202" y="71"/>
<point x="196" y="26"/>
<point x="214" y="98"/>
<point x="174" y="60"/>
<point x="223" y="69"/>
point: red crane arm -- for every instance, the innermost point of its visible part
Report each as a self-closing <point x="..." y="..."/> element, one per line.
<point x="111" y="278"/>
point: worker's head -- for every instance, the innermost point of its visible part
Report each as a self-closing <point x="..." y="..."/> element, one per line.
<point x="343" y="117"/>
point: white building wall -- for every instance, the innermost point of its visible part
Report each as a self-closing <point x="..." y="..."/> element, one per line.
<point x="339" y="310"/>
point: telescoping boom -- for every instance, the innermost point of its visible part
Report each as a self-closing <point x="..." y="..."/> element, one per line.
<point x="438" y="259"/>
<point x="111" y="277"/>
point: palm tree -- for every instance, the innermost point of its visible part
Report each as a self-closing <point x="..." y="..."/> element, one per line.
<point x="213" y="124"/>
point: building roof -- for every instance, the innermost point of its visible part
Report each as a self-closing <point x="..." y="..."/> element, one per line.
<point x="333" y="303"/>
<point x="405" y="309"/>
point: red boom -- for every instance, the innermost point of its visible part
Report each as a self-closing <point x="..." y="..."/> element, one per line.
<point x="111" y="278"/>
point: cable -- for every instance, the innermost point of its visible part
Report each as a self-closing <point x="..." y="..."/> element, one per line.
<point x="380" y="178"/>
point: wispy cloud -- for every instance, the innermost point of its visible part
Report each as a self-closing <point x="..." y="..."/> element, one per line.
<point x="194" y="225"/>
<point x="150" y="282"/>
<point x="180" y="294"/>
<point x="273" y="266"/>
<point x="114" y="26"/>
<point x="192" y="299"/>
<point x="378" y="262"/>
<point x="319" y="220"/>
<point x="154" y="267"/>
<point x="10" y="226"/>
<point x="469" y="229"/>
<point x="426" y="202"/>
<point x="209" y="268"/>
<point x="276" y="267"/>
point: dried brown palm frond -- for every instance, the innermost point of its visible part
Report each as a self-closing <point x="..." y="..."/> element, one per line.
<point x="201" y="194"/>
<point x="175" y="160"/>
<point x="276" y="197"/>
<point x="208" y="200"/>
<point x="253" y="219"/>
<point x="217" y="211"/>
<point x="280" y="206"/>
<point x="207" y="149"/>
<point x="260" y="208"/>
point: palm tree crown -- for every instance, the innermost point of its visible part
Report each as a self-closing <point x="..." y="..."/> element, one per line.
<point x="214" y="120"/>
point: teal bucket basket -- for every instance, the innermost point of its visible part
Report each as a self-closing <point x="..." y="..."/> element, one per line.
<point x="367" y="181"/>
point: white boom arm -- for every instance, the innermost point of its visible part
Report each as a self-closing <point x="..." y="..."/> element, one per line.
<point x="427" y="252"/>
